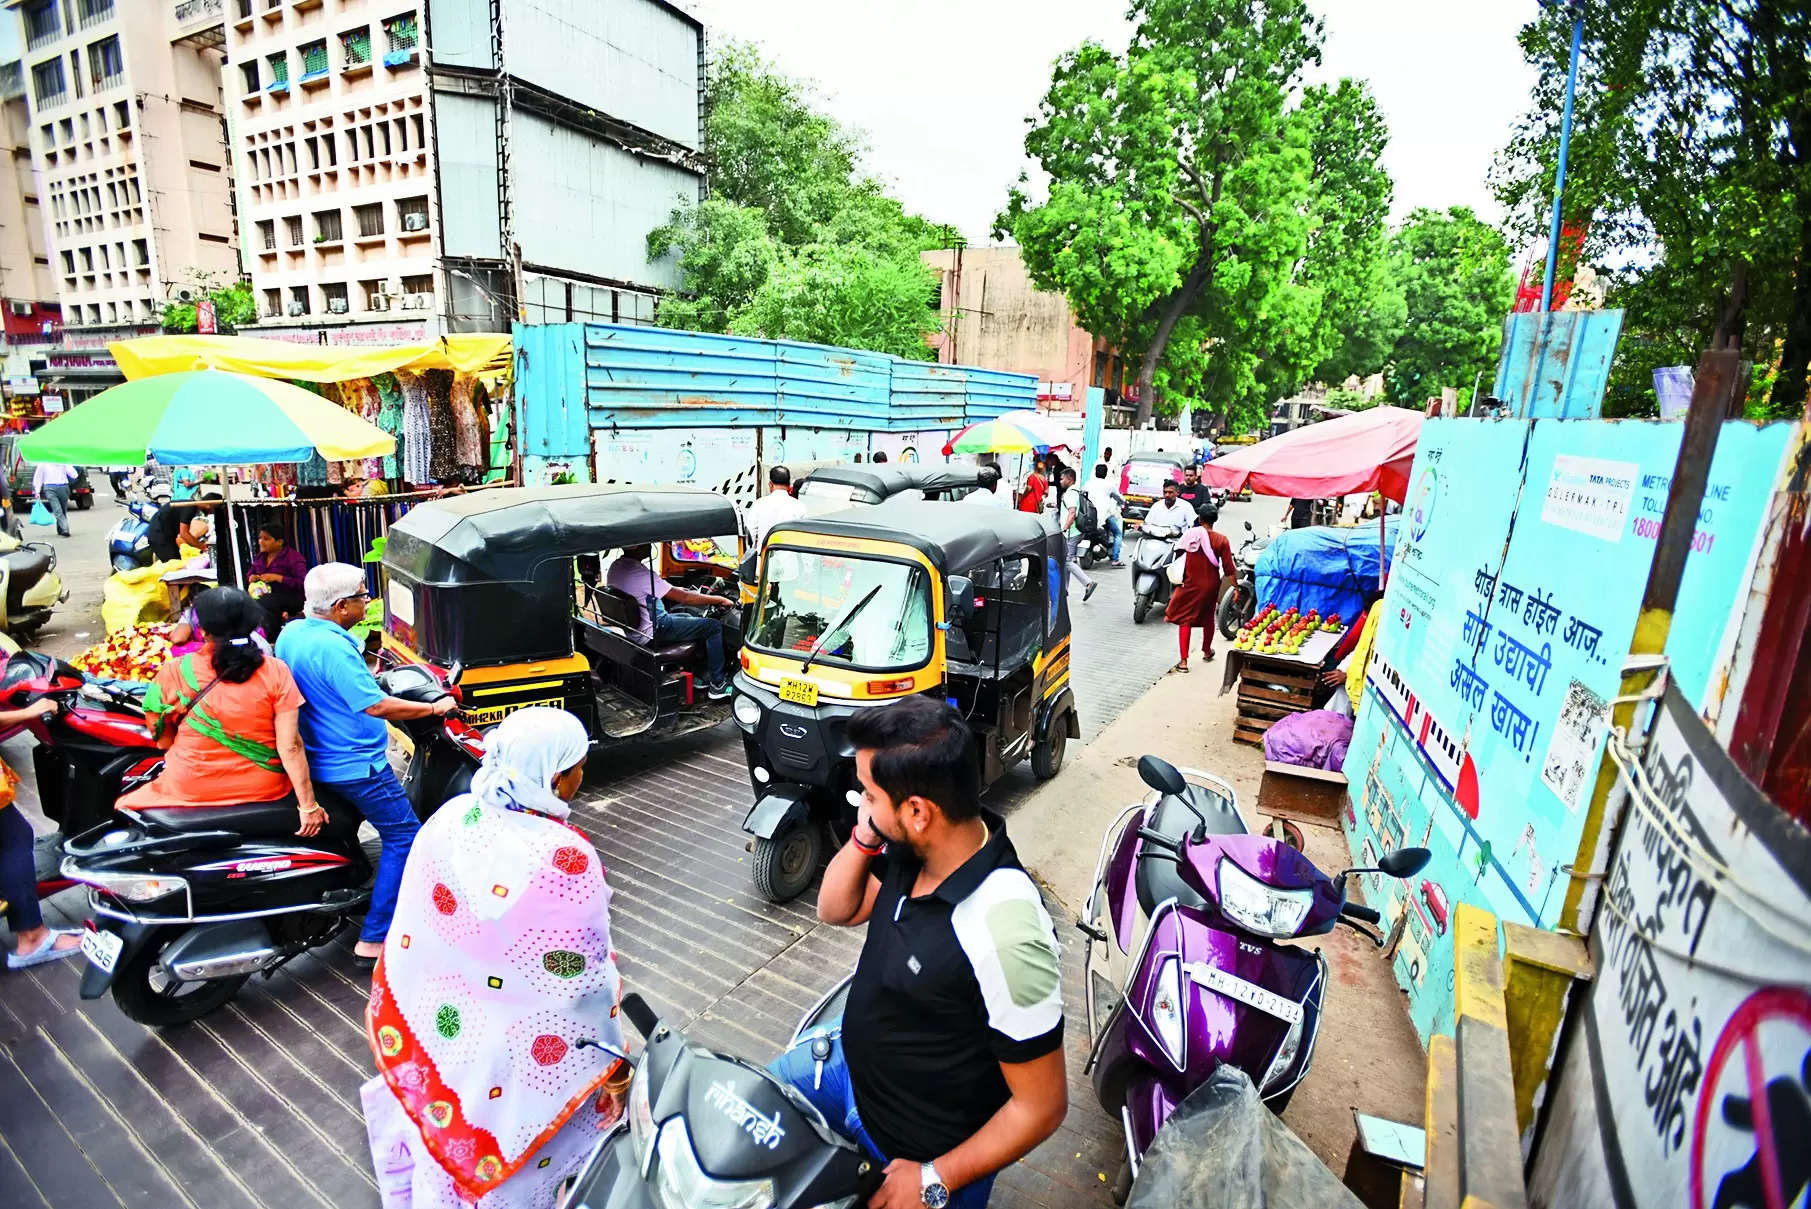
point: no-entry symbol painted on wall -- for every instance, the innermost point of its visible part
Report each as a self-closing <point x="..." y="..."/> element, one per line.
<point x="1749" y="1146"/>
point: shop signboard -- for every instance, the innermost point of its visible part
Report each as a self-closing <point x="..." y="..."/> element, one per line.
<point x="1517" y="579"/>
<point x="1688" y="1081"/>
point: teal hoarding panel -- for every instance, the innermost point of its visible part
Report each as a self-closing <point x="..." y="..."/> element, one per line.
<point x="1556" y="364"/>
<point x="1517" y="580"/>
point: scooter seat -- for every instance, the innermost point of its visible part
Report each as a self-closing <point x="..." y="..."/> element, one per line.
<point x="1158" y="876"/>
<point x="276" y="818"/>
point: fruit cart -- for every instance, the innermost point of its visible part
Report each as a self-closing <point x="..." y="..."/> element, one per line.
<point x="1275" y="661"/>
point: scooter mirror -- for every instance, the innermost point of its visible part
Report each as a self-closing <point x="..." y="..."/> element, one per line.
<point x="1405" y="862"/>
<point x="1161" y="775"/>
<point x="1248" y="527"/>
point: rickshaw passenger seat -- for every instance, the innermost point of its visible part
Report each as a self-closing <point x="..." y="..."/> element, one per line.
<point x="619" y="609"/>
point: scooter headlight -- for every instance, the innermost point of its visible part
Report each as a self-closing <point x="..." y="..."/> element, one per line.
<point x="640" y="1111"/>
<point x="1260" y="909"/>
<point x="1166" y="1008"/>
<point x="747" y="710"/>
<point x="680" y="1183"/>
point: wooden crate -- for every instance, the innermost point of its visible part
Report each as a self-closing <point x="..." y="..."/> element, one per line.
<point x="1271" y="689"/>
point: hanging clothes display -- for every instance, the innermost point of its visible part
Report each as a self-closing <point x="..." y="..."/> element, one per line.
<point x="416" y="445"/>
<point x="313" y="472"/>
<point x="389" y="418"/>
<point x="443" y="449"/>
<point x="467" y="442"/>
<point x="359" y="396"/>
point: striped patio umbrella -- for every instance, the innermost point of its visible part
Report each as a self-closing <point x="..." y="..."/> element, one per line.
<point x="1013" y="432"/>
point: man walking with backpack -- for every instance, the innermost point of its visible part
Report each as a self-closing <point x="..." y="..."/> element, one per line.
<point x="1068" y="501"/>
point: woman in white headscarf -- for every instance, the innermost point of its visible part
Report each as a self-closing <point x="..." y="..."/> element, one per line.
<point x="497" y="989"/>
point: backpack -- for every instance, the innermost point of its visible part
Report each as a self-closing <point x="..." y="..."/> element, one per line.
<point x="1087" y="516"/>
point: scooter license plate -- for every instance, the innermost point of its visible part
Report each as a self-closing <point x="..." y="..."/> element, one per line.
<point x="102" y="949"/>
<point x="799" y="692"/>
<point x="1248" y="993"/>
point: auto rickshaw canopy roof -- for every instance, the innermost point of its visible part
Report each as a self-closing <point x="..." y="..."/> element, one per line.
<point x="1169" y="457"/>
<point x="889" y="479"/>
<point x="954" y="536"/>
<point x="504" y="533"/>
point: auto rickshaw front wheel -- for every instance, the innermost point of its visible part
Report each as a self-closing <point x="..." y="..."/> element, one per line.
<point x="785" y="864"/>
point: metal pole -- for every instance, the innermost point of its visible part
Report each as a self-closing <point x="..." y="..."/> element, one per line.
<point x="1565" y="141"/>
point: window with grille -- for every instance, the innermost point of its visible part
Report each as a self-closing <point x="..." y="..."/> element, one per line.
<point x="370" y="219"/>
<point x="400" y="39"/>
<point x="334" y="295"/>
<point x="106" y="67"/>
<point x="267" y="235"/>
<point x="89" y="12"/>
<point x="41" y="24"/>
<point x="47" y="85"/>
<point x="327" y="226"/>
<point x="314" y="59"/>
<point x="371" y="290"/>
<point x="422" y="284"/>
<point x="356" y="46"/>
<point x="293" y="228"/>
<point x="298" y="300"/>
<point x="279" y="71"/>
<point x="273" y="299"/>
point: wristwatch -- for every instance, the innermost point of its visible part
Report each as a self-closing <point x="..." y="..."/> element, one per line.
<point x="936" y="1196"/>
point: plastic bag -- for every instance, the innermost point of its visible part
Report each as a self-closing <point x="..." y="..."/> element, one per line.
<point x="1224" y="1150"/>
<point x="130" y="598"/>
<point x="1315" y="739"/>
<point x="40" y="515"/>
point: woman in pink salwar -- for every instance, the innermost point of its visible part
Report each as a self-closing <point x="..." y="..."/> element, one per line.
<point x="496" y="974"/>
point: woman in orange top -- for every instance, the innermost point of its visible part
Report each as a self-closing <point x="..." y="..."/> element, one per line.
<point x="227" y="714"/>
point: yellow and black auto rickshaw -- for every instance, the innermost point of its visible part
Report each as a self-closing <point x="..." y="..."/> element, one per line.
<point x="504" y="593"/>
<point x="870" y="605"/>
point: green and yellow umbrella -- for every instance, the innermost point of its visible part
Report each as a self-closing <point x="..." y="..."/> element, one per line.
<point x="205" y="418"/>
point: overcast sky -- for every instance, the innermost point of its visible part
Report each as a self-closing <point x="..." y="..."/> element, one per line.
<point x="941" y="88"/>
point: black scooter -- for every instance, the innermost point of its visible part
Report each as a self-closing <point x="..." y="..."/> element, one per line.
<point x="703" y="1128"/>
<point x="190" y="902"/>
<point x="1239" y="604"/>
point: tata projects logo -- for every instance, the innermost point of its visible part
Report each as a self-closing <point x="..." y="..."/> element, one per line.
<point x="1421" y="509"/>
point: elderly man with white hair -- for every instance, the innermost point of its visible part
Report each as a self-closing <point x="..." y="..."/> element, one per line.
<point x="343" y="728"/>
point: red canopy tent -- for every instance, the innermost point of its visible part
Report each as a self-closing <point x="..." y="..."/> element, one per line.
<point x="1370" y="451"/>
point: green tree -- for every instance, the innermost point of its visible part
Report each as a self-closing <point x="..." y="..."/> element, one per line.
<point x="838" y="294"/>
<point x="1178" y="188"/>
<point x="1453" y="270"/>
<point x="234" y="307"/>
<point x="1690" y="170"/>
<point x="794" y="243"/>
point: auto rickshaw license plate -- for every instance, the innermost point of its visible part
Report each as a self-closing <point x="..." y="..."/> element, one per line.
<point x="799" y="692"/>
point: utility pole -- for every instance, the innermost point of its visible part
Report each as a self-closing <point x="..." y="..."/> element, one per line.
<point x="1565" y="142"/>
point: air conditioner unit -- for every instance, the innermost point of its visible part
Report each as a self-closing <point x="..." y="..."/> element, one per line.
<point x="415" y="220"/>
<point x="337" y="306"/>
<point x="294" y="309"/>
<point x="423" y="302"/>
<point x="21" y="308"/>
<point x="185" y="296"/>
<point x="380" y="302"/>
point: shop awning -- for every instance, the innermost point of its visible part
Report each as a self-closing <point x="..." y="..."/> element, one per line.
<point x="1368" y="451"/>
<point x="484" y="355"/>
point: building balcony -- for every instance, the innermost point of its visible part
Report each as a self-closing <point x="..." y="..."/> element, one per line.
<point x="199" y="23"/>
<point x="313" y="79"/>
<point x="278" y="86"/>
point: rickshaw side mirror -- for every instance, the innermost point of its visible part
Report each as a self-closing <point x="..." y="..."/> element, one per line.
<point x="962" y="597"/>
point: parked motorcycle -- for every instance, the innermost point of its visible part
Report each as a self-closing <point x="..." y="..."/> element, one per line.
<point x="189" y="902"/>
<point x="1240" y="603"/>
<point x="706" y="1129"/>
<point x="93" y="749"/>
<point x="1153" y="551"/>
<point x="128" y="547"/>
<point x="30" y="586"/>
<point x="1184" y="971"/>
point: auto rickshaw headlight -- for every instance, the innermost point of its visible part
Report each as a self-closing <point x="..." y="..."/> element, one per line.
<point x="747" y="710"/>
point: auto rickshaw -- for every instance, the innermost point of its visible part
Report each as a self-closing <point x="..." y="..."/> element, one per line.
<point x="503" y="593"/>
<point x="832" y="488"/>
<point x="1143" y="475"/>
<point x="870" y="605"/>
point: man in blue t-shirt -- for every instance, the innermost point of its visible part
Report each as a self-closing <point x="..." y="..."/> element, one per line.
<point x="343" y="728"/>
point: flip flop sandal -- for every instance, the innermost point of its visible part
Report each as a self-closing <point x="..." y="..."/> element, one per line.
<point x="1180" y="667"/>
<point x="47" y="951"/>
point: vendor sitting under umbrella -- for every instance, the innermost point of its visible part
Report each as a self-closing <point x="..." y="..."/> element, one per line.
<point x="276" y="577"/>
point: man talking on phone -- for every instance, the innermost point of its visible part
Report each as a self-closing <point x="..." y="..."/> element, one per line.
<point x="948" y="1062"/>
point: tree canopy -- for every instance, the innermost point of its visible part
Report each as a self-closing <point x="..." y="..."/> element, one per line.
<point x="1690" y="174"/>
<point x="1453" y="273"/>
<point x="794" y="242"/>
<point x="234" y="307"/>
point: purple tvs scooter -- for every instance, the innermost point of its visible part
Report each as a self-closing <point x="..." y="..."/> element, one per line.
<point x="1184" y="966"/>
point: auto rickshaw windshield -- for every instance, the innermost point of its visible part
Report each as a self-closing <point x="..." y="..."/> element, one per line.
<point x="865" y="613"/>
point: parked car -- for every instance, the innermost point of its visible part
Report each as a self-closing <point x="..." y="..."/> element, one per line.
<point x="18" y="473"/>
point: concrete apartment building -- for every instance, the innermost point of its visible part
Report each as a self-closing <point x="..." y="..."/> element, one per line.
<point x="406" y="168"/>
<point x="29" y="312"/>
<point x="993" y="316"/>
<point x="123" y="97"/>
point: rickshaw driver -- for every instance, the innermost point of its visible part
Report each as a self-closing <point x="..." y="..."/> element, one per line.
<point x="630" y="574"/>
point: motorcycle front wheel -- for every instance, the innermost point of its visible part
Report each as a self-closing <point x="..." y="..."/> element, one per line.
<point x="1235" y="611"/>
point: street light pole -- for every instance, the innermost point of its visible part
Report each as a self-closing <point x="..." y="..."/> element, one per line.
<point x="1565" y="140"/>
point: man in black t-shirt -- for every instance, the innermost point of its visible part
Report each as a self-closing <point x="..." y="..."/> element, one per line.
<point x="947" y="1064"/>
<point x="163" y="533"/>
<point x="1193" y="491"/>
